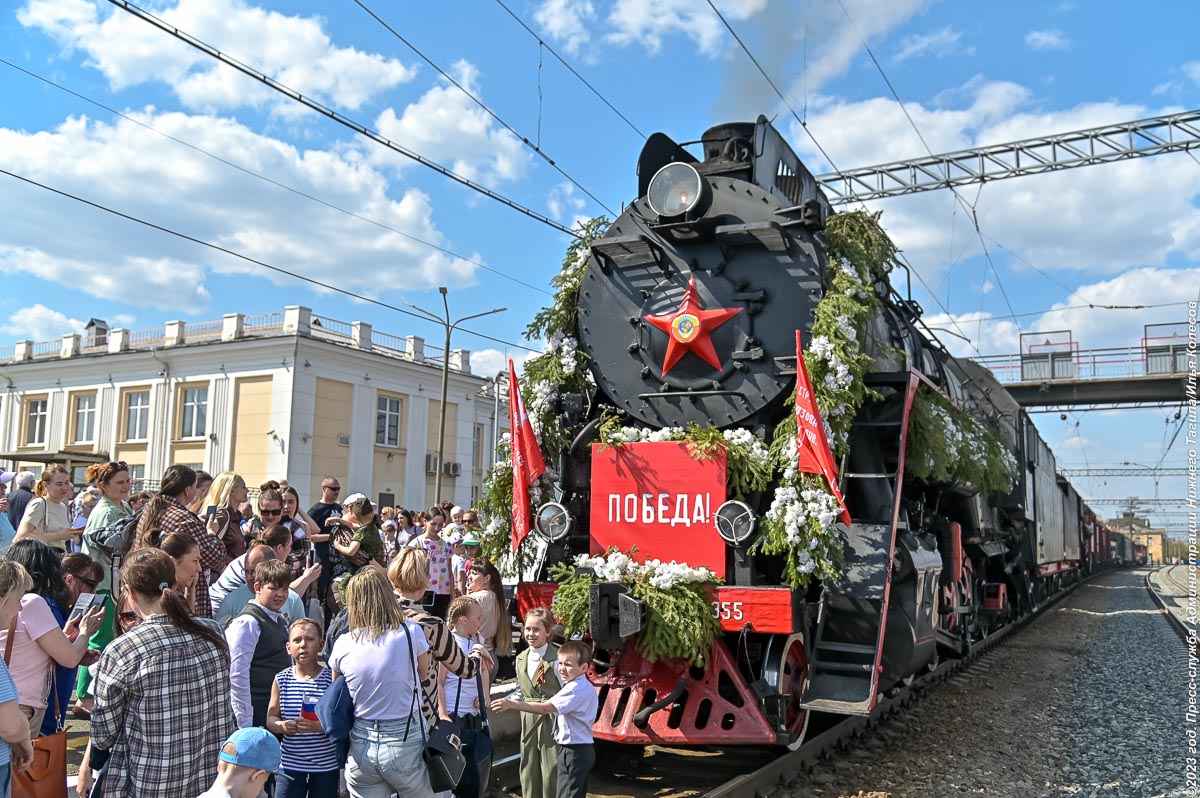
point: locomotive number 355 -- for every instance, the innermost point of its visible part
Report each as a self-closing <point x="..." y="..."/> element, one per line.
<point x="728" y="610"/>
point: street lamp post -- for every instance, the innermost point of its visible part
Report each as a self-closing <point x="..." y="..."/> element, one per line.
<point x="500" y="376"/>
<point x="449" y="326"/>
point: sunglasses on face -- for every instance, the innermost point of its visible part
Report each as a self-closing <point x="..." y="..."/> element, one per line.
<point x="128" y="617"/>
<point x="92" y="583"/>
<point x="278" y="511"/>
<point x="334" y="488"/>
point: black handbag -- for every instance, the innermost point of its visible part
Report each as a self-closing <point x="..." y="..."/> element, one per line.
<point x="443" y="744"/>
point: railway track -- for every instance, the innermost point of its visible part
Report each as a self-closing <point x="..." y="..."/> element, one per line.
<point x="663" y="772"/>
<point x="1177" y="623"/>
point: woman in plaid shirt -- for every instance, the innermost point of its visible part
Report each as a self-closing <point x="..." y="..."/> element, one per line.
<point x="168" y="512"/>
<point x="162" y="692"/>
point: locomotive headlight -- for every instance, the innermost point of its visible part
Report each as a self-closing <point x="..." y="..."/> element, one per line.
<point x="676" y="189"/>
<point x="553" y="522"/>
<point x="735" y="522"/>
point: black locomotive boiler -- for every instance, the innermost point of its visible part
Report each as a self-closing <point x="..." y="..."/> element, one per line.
<point x="688" y="312"/>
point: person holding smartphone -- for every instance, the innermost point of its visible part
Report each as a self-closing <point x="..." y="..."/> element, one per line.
<point x="40" y="637"/>
<point x="305" y="532"/>
<point x="222" y="516"/>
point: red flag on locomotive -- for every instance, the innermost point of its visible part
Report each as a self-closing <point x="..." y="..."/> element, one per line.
<point x="815" y="455"/>
<point x="527" y="460"/>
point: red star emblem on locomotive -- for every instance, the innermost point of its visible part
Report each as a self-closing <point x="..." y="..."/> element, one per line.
<point x="688" y="329"/>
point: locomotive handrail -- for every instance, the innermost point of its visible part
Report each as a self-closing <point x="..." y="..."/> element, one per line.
<point x="686" y="392"/>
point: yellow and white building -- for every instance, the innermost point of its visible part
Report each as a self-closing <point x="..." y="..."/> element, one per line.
<point x="288" y="394"/>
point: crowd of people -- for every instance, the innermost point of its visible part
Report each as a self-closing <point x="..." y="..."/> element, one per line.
<point x="205" y="635"/>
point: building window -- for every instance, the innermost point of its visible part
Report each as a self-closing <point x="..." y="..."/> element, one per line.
<point x="387" y="421"/>
<point x="474" y="495"/>
<point x="137" y="415"/>
<point x="35" y="422"/>
<point x="137" y="477"/>
<point x="477" y="448"/>
<point x="193" y="413"/>
<point x="85" y="418"/>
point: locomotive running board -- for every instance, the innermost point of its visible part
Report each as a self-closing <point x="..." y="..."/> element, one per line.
<point x="847" y="654"/>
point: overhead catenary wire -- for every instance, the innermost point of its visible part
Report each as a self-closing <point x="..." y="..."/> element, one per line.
<point x="338" y="117"/>
<point x="247" y="258"/>
<point x="967" y="207"/>
<point x="535" y="147"/>
<point x="804" y="126"/>
<point x="998" y="319"/>
<point x="277" y="183"/>
<point x="541" y="42"/>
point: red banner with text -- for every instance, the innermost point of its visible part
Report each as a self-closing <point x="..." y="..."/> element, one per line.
<point x="660" y="498"/>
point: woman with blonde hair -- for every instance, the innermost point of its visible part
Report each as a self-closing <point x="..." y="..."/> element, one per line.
<point x="379" y="657"/>
<point x="225" y="493"/>
<point x="409" y="575"/>
<point x="14" y="728"/>
<point x="47" y="517"/>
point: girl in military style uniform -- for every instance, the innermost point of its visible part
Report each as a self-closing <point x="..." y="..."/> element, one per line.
<point x="537" y="680"/>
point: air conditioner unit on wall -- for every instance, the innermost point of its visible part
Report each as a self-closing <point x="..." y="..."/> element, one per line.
<point x="431" y="464"/>
<point x="452" y="469"/>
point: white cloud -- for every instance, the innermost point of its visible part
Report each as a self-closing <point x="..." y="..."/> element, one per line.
<point x="40" y="323"/>
<point x="490" y="362"/>
<point x="648" y="23"/>
<point x="1099" y="219"/>
<point x="294" y="50"/>
<point x="1192" y="70"/>
<point x="1047" y="40"/>
<point x="1090" y="327"/>
<point x="984" y="333"/>
<point x="447" y="126"/>
<point x="1074" y="440"/>
<point x="569" y="22"/>
<point x="124" y="166"/>
<point x="939" y="43"/>
<point x="566" y="205"/>
<point x="1099" y="329"/>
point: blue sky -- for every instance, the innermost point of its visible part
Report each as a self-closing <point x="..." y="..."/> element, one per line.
<point x="971" y="74"/>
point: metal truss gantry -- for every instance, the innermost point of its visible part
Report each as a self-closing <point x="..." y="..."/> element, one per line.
<point x="1124" y="472"/>
<point x="1119" y="142"/>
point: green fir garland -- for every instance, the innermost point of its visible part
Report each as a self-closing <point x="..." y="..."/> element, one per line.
<point x="677" y="622"/>
<point x="948" y="446"/>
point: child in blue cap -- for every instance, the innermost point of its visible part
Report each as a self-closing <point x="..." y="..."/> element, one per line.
<point x="248" y="758"/>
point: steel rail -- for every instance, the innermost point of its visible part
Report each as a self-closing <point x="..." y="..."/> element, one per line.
<point x="789" y="766"/>
<point x="1185" y="633"/>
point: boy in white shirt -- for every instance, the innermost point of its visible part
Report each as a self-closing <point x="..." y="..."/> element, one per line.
<point x="575" y="706"/>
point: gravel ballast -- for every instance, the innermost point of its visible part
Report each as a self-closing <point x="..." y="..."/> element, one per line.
<point x="1088" y="700"/>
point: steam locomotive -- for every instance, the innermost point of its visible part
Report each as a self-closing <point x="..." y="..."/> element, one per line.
<point x="688" y="311"/>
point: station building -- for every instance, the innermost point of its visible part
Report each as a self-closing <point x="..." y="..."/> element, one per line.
<point x="282" y="394"/>
<point x="1139" y="532"/>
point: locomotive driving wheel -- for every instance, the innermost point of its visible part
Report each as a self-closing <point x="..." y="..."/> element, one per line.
<point x="785" y="668"/>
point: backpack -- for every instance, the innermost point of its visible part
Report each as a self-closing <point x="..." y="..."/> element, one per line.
<point x="115" y="536"/>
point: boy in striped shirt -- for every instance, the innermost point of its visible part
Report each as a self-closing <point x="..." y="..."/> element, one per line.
<point x="310" y="760"/>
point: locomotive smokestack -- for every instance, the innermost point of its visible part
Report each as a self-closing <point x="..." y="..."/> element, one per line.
<point x="729" y="149"/>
